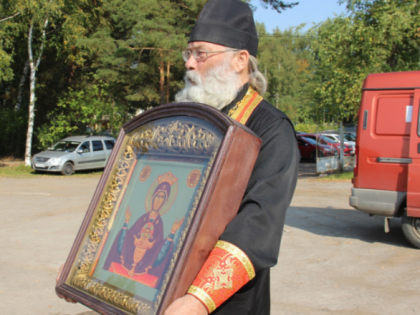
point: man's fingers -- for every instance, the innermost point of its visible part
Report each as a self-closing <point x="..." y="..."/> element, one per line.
<point x="67" y="299"/>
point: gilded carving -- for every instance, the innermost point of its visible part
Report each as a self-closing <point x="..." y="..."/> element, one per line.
<point x="174" y="137"/>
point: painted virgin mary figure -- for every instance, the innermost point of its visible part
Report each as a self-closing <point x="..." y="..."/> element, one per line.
<point x="141" y="252"/>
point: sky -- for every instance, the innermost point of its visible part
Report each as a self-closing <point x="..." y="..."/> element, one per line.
<point x="307" y="11"/>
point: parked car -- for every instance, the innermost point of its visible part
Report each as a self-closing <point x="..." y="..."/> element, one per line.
<point x="327" y="141"/>
<point x="307" y="148"/>
<point x="336" y="138"/>
<point x="74" y="153"/>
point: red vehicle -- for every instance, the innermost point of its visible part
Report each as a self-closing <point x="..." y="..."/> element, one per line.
<point x="387" y="174"/>
<point x="307" y="148"/>
<point x="326" y="141"/>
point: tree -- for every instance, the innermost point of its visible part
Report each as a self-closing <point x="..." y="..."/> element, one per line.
<point x="128" y="53"/>
<point x="38" y="18"/>
<point x="377" y="36"/>
<point x="142" y="40"/>
<point x="50" y="29"/>
<point x="8" y="26"/>
<point x="80" y="109"/>
<point x="285" y="59"/>
<point x="278" y="5"/>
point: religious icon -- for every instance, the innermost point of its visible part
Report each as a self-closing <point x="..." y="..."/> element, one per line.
<point x="141" y="252"/>
<point x="166" y="196"/>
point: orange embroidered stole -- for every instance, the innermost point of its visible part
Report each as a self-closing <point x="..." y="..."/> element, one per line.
<point x="244" y="108"/>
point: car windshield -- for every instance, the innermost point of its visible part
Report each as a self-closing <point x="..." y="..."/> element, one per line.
<point x="334" y="138"/>
<point x="65" y="146"/>
<point x="311" y="141"/>
<point x="326" y="139"/>
<point x="350" y="137"/>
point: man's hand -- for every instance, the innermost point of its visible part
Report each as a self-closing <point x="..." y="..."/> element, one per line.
<point x="186" y="305"/>
<point x="60" y="295"/>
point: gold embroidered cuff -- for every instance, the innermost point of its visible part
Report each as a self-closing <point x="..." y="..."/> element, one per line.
<point x="240" y="255"/>
<point x="226" y="270"/>
<point x="203" y="297"/>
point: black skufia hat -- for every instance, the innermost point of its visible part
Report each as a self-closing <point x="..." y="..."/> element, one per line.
<point x="227" y="22"/>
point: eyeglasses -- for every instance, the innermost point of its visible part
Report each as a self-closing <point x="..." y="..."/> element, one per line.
<point x="201" y="54"/>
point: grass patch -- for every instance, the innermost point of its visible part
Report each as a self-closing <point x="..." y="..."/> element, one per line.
<point x="346" y="176"/>
<point x="26" y="171"/>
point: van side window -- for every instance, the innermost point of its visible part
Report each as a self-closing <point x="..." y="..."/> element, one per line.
<point x="97" y="145"/>
<point x="109" y="144"/>
<point x="394" y="115"/>
<point x="85" y="147"/>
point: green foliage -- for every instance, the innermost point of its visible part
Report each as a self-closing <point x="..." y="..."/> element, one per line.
<point x="23" y="171"/>
<point x="278" y="5"/>
<point x="377" y="36"/>
<point x="315" y="128"/>
<point x="133" y="51"/>
<point x="12" y="132"/>
<point x="16" y="171"/>
<point x="62" y="64"/>
<point x="346" y="176"/>
<point x="80" y="111"/>
<point x="6" y="72"/>
<point x="286" y="61"/>
<point x="9" y="13"/>
<point x="105" y="59"/>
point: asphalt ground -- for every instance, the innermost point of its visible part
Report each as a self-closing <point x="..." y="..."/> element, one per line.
<point x="333" y="260"/>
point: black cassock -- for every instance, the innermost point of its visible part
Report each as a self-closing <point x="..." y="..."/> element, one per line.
<point x="258" y="227"/>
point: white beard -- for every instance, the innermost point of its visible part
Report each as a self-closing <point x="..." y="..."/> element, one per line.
<point x="218" y="87"/>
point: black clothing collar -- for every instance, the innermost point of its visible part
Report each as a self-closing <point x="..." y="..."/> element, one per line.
<point x="240" y="96"/>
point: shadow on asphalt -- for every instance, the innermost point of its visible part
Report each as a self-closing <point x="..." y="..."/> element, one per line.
<point x="344" y="223"/>
<point x="79" y="172"/>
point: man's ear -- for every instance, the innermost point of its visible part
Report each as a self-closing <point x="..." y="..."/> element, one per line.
<point x="240" y="61"/>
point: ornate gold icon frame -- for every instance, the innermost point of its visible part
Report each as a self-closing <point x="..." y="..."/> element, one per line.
<point x="181" y="134"/>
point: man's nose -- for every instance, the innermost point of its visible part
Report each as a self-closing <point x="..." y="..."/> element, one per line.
<point x="191" y="63"/>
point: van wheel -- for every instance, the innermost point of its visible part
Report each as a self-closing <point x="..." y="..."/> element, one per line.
<point x="411" y="229"/>
<point x="68" y="169"/>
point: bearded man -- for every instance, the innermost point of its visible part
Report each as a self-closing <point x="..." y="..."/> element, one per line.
<point x="222" y="71"/>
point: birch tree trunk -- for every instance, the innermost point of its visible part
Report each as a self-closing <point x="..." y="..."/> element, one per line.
<point x="21" y="84"/>
<point x="33" y="66"/>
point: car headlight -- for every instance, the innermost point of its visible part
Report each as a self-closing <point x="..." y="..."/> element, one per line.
<point x="54" y="160"/>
